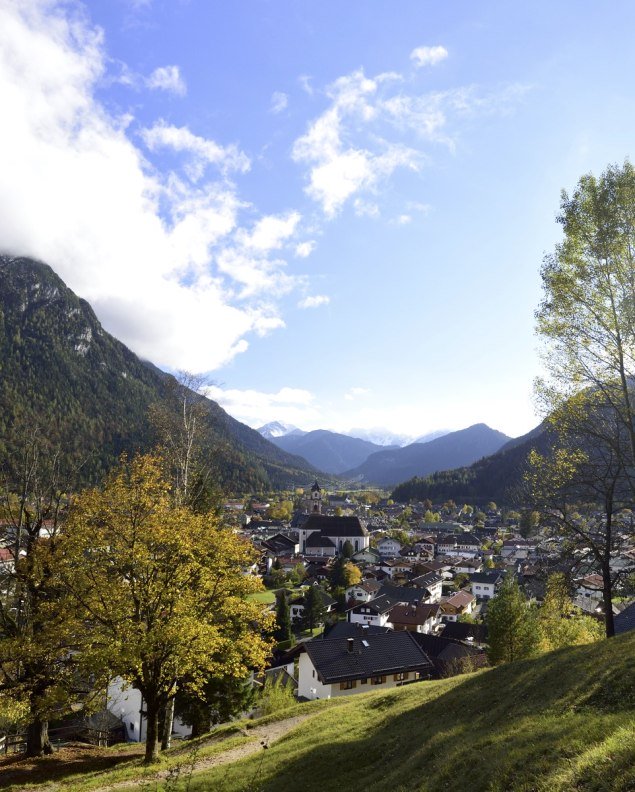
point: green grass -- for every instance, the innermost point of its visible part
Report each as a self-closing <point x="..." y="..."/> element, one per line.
<point x="563" y="722"/>
<point x="267" y="597"/>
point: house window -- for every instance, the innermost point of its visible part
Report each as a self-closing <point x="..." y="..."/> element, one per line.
<point x="349" y="685"/>
<point x="400" y="677"/>
<point x="363" y="681"/>
<point x="377" y="680"/>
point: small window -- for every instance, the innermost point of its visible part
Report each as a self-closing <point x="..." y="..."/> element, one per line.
<point x="363" y="681"/>
<point x="400" y="677"/>
<point x="348" y="685"/>
<point x="377" y="680"/>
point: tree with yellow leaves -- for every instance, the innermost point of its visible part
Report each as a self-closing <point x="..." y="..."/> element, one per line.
<point x="163" y="590"/>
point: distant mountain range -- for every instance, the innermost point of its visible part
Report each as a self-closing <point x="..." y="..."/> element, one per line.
<point x="328" y="451"/>
<point x="61" y="370"/>
<point x="388" y="467"/>
<point x="498" y="477"/>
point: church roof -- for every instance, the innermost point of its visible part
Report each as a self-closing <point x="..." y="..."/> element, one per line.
<point x="335" y="526"/>
<point x="315" y="487"/>
<point x="317" y="540"/>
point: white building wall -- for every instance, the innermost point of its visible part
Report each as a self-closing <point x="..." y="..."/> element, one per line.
<point x="310" y="687"/>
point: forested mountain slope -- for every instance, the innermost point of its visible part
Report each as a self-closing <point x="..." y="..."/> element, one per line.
<point x="89" y="394"/>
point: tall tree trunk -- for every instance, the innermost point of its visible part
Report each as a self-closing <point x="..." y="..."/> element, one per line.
<point x="166" y="736"/>
<point x="152" y="733"/>
<point x="37" y="738"/>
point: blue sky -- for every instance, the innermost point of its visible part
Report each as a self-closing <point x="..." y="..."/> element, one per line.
<point x="336" y="211"/>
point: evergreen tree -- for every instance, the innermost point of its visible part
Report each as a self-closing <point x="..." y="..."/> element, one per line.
<point x="314" y="609"/>
<point x="283" y="618"/>
<point x="513" y="632"/>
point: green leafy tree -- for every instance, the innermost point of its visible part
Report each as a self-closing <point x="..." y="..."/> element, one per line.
<point x="587" y="324"/>
<point x="560" y="623"/>
<point x="163" y="588"/>
<point x="513" y="631"/>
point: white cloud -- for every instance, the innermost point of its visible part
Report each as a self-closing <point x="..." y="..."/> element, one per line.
<point x="163" y="259"/>
<point x="304" y="249"/>
<point x="279" y="102"/>
<point x="354" y="393"/>
<point x="428" y="56"/>
<point x="315" y="301"/>
<point x="339" y="170"/>
<point x="167" y="78"/>
<point x="203" y="152"/>
<point x="305" y="83"/>
<point x="271" y="232"/>
<point x="292" y="405"/>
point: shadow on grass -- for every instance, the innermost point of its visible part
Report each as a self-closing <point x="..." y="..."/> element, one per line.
<point x="20" y="771"/>
<point x="512" y="728"/>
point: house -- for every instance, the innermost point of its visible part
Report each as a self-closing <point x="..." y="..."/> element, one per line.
<point x="459" y="604"/>
<point x="467" y="566"/>
<point x="415" y="617"/>
<point x="374" y="612"/>
<point x="374" y="661"/>
<point x="464" y="544"/>
<point x="330" y="534"/>
<point x="590" y="586"/>
<point x="471" y="634"/>
<point x="362" y="592"/>
<point x="432" y="583"/>
<point x="366" y="556"/>
<point x="389" y="547"/>
<point x="450" y="657"/>
<point x="485" y="584"/>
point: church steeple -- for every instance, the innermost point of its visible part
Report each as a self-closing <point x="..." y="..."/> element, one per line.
<point x="316" y="499"/>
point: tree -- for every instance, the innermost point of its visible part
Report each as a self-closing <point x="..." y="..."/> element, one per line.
<point x="587" y="323"/>
<point x="344" y="574"/>
<point x="560" y="623"/>
<point x="283" y="630"/>
<point x="513" y="633"/>
<point x="348" y="549"/>
<point x="163" y="589"/>
<point x="314" y="610"/>
<point x="39" y="632"/>
<point x="219" y="699"/>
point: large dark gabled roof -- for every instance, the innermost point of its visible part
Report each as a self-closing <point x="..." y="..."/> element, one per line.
<point x="400" y="593"/>
<point x="317" y="540"/>
<point x="335" y="526"/>
<point x="374" y="654"/>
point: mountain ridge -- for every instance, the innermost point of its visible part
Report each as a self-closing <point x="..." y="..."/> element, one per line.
<point x="61" y="369"/>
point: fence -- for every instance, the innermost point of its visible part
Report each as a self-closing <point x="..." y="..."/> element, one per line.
<point x="16" y="743"/>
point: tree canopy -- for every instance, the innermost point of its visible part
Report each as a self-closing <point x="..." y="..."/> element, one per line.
<point x="163" y="589"/>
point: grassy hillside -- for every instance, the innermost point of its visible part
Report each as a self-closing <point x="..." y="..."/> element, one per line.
<point x="563" y="722"/>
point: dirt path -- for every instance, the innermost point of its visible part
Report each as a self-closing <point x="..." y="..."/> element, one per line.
<point x="258" y="738"/>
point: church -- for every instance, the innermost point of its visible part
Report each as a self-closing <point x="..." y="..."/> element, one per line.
<point x="325" y="535"/>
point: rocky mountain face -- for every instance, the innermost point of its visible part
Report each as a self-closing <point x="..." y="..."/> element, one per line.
<point x="90" y="395"/>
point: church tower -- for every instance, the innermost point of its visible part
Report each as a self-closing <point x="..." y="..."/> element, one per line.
<point x="315" y="502"/>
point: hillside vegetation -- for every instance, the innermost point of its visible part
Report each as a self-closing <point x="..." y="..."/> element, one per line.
<point x="60" y="370"/>
<point x="562" y="722"/>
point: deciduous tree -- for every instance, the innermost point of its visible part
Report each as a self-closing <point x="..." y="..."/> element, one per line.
<point x="162" y="588"/>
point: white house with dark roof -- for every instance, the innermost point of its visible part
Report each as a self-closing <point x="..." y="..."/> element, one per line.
<point x="341" y="666"/>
